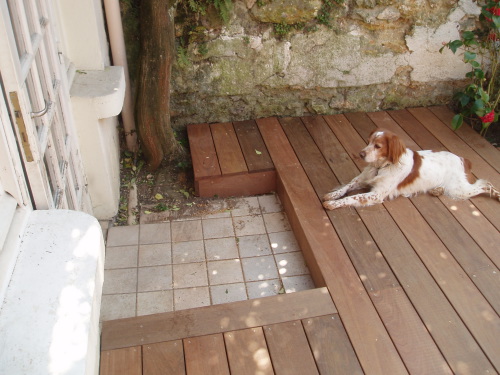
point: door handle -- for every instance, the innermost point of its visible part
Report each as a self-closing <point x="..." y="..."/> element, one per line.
<point x="48" y="104"/>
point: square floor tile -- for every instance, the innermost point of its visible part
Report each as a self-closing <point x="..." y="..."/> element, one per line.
<point x="270" y="203"/>
<point x="228" y="293"/>
<point x="191" y="298"/>
<point x="186" y="231"/>
<point x="190" y="275"/>
<point x="259" y="268"/>
<point x="276" y="222"/>
<point x="298" y="283"/>
<point x="123" y="236"/>
<point x="246" y="206"/>
<point x="264" y="288"/>
<point x="154" y="278"/>
<point x="121" y="257"/>
<point x="283" y="242"/>
<point x="117" y="306"/>
<point x="155" y="302"/>
<point x="188" y="252"/>
<point x="291" y="264"/>
<point x="218" y="228"/>
<point x="256" y="245"/>
<point x="248" y="225"/>
<point x="221" y="248"/>
<point x="155" y="254"/>
<point x="120" y="281"/>
<point x="219" y="208"/>
<point x="225" y="272"/>
<point x="154" y="233"/>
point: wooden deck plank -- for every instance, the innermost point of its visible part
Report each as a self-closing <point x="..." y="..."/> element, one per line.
<point x="214" y="319"/>
<point x="355" y="238"/>
<point x="330" y="346"/>
<point x="420" y="287"/>
<point x="469" y="135"/>
<point x="360" y="318"/>
<point x="203" y="155"/>
<point x="125" y="361"/>
<point x="289" y="349"/>
<point x="477" y="225"/>
<point x="253" y="146"/>
<point x="237" y="185"/>
<point x="473" y="308"/>
<point x="228" y="149"/>
<point x="454" y="340"/>
<point x="163" y="358"/>
<point x="206" y="355"/>
<point x="377" y="276"/>
<point x="470" y="304"/>
<point x="247" y="352"/>
<point x="480" y="269"/>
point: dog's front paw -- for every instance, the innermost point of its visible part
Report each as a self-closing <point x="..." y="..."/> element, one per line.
<point x="331" y="196"/>
<point x="331" y="205"/>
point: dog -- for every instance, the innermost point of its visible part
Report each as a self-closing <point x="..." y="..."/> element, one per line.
<point x="395" y="170"/>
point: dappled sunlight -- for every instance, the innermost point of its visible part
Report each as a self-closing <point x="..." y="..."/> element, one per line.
<point x="70" y="334"/>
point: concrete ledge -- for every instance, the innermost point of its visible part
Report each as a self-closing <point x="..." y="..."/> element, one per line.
<point x="105" y="89"/>
<point x="49" y="320"/>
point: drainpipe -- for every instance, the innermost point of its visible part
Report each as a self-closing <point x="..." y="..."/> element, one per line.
<point x="117" y="42"/>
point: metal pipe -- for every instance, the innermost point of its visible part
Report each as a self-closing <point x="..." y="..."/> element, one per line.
<point x="119" y="55"/>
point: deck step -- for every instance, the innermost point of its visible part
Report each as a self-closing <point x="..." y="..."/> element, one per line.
<point x="230" y="159"/>
<point x="208" y="320"/>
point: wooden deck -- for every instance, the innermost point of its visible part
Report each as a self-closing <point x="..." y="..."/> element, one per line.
<point x="408" y="286"/>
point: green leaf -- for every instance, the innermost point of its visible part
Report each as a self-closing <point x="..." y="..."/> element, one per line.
<point x="456" y="44"/>
<point x="484" y="95"/>
<point x="478" y="107"/>
<point x="468" y="56"/>
<point x="258" y="152"/>
<point x="457" y="121"/>
<point x="468" y="36"/>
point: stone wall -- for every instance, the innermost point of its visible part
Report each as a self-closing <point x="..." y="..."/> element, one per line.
<point x="375" y="54"/>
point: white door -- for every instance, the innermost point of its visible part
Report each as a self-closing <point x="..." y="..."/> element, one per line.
<point x="36" y="88"/>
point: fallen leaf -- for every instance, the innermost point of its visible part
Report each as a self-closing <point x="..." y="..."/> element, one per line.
<point x="258" y="152"/>
<point x="158" y="196"/>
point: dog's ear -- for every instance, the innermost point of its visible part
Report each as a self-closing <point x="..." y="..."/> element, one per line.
<point x="395" y="148"/>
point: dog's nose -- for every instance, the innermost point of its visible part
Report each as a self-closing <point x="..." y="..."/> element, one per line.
<point x="362" y="154"/>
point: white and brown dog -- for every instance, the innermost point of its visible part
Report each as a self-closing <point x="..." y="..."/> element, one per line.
<point x="395" y="170"/>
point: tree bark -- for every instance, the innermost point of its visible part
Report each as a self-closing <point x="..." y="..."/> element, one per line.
<point x="153" y="91"/>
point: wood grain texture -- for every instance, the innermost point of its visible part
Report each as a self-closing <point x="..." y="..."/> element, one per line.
<point x="289" y="349"/>
<point x="126" y="361"/>
<point x="330" y="346"/>
<point x="228" y="149"/>
<point x="164" y="358"/>
<point x="412" y="340"/>
<point x="247" y="352"/>
<point x="237" y="185"/>
<point x="253" y="147"/>
<point x="203" y="155"/>
<point x="408" y="268"/>
<point x="206" y="355"/>
<point x="360" y="318"/>
<point x="217" y="318"/>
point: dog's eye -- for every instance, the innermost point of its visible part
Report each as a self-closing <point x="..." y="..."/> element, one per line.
<point x="377" y="146"/>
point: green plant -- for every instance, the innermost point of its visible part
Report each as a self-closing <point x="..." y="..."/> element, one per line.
<point x="324" y="14"/>
<point x="182" y="58"/>
<point x="481" y="51"/>
<point x="199" y="7"/>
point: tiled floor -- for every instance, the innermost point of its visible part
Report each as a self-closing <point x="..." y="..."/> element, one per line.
<point x="246" y="252"/>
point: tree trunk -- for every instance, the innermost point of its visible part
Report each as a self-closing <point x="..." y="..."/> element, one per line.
<point x="153" y="93"/>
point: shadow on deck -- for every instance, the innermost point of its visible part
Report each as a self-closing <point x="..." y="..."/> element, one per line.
<point x="408" y="286"/>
